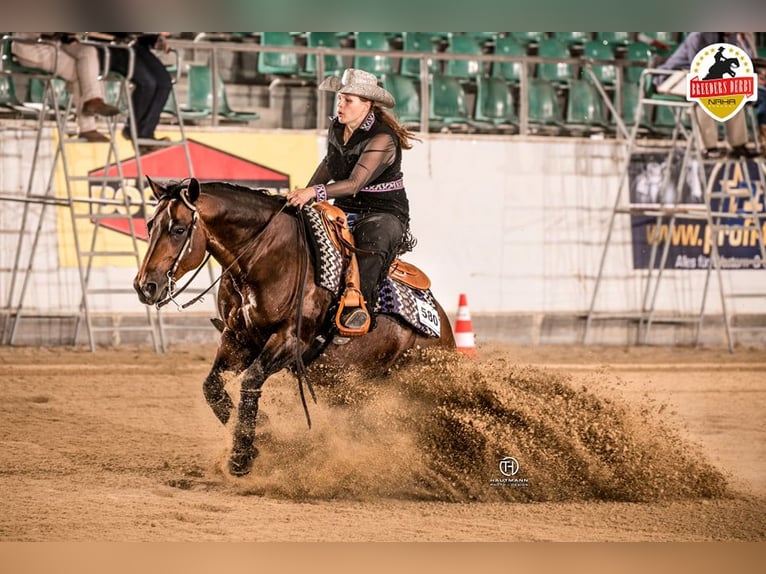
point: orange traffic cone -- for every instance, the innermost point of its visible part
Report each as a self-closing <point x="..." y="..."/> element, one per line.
<point x="464" y="337"/>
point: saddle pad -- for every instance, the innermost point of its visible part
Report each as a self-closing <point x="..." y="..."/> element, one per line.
<point x="328" y="261"/>
<point x="417" y="307"/>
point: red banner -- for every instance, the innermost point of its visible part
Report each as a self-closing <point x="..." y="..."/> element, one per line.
<point x="724" y="87"/>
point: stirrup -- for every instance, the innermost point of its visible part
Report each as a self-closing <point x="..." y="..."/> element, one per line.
<point x="352" y="321"/>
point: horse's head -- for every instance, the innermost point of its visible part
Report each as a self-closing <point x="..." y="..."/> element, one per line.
<point x="176" y="241"/>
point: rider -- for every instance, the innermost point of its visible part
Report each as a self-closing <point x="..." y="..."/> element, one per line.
<point x="362" y="173"/>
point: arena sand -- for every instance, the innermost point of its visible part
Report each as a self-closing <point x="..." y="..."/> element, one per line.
<point x="611" y="444"/>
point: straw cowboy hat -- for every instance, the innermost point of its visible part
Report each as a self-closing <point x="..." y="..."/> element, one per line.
<point x="358" y="83"/>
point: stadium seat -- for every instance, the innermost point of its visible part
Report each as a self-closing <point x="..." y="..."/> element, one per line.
<point x="276" y="63"/>
<point x="494" y="103"/>
<point x="613" y="38"/>
<point x="544" y="108"/>
<point x="8" y="97"/>
<point x="333" y="63"/>
<point x="378" y="65"/>
<point x="405" y="91"/>
<point x="448" y="105"/>
<point x="606" y="73"/>
<point x="572" y="38"/>
<point x="585" y="109"/>
<point x="200" y="97"/>
<point x="418" y="42"/>
<point x="641" y="54"/>
<point x="630" y="95"/>
<point x="559" y="72"/>
<point x="510" y="71"/>
<point x="464" y="69"/>
<point x="528" y="38"/>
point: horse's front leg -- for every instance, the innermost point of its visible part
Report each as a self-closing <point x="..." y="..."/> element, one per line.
<point x="243" y="450"/>
<point x="232" y="356"/>
<point x="274" y="356"/>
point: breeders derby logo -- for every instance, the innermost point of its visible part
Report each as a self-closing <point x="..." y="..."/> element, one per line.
<point x="721" y="80"/>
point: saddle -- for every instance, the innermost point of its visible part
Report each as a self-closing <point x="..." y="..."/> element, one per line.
<point x="336" y="225"/>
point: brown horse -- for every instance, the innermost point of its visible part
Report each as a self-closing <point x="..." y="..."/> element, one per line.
<point x="274" y="316"/>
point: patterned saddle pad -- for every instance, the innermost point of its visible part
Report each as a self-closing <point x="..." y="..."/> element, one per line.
<point x="416" y="307"/>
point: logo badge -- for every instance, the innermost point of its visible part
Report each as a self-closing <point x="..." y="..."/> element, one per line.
<point x="721" y="80"/>
<point x="509" y="466"/>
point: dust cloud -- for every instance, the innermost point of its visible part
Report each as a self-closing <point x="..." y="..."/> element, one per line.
<point x="438" y="430"/>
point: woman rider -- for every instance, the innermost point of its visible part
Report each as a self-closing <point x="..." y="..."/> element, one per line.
<point x="362" y="173"/>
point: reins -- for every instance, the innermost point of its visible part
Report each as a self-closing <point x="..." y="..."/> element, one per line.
<point x="300" y="368"/>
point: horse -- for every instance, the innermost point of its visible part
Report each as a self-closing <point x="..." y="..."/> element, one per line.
<point x="273" y="315"/>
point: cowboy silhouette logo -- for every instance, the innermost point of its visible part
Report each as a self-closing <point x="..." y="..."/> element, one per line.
<point x="721" y="80"/>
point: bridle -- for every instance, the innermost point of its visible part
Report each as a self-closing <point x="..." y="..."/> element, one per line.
<point x="186" y="248"/>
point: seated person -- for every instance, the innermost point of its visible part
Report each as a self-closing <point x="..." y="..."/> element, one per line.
<point x="78" y="65"/>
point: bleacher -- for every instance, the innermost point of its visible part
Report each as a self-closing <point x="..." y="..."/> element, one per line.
<point x="545" y="83"/>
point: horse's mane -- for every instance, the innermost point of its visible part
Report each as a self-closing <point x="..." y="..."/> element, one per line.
<point x="241" y="194"/>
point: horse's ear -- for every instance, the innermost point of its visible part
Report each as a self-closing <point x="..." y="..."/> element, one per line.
<point x="157" y="190"/>
<point x="193" y="190"/>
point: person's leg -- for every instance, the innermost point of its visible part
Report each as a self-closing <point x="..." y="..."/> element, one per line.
<point x="708" y="129"/>
<point x="381" y="234"/>
<point x="155" y="88"/>
<point x="736" y="130"/>
<point x="88" y="90"/>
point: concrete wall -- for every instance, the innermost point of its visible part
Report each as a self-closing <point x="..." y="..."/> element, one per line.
<point x="518" y="224"/>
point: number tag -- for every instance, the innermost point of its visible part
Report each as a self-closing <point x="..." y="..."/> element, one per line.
<point x="428" y="316"/>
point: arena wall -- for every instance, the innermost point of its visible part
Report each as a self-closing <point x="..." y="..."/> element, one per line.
<point x="516" y="223"/>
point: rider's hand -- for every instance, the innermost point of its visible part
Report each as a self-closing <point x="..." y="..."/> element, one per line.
<point x="300" y="196"/>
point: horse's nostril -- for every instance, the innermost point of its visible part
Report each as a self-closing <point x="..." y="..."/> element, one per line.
<point x="149" y="289"/>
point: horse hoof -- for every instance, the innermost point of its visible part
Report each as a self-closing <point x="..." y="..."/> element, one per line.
<point x="240" y="463"/>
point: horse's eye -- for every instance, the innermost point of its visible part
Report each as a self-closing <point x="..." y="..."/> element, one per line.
<point x="178" y="230"/>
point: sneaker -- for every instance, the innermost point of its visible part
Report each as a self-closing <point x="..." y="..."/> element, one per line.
<point x="93" y="136"/>
<point x="97" y="106"/>
<point x="354" y="319"/>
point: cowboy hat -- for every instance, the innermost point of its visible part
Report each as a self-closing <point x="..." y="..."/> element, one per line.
<point x="358" y="83"/>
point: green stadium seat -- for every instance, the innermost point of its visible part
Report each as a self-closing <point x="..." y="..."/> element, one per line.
<point x="378" y="65"/>
<point x="572" y="38"/>
<point x="559" y="72"/>
<point x="613" y="38"/>
<point x="333" y="63"/>
<point x="448" y="104"/>
<point x="510" y="71"/>
<point x="606" y="73"/>
<point x="641" y="54"/>
<point x="585" y="109"/>
<point x="464" y="69"/>
<point x="544" y="108"/>
<point x="494" y="103"/>
<point x="8" y="97"/>
<point x="405" y="91"/>
<point x="528" y="38"/>
<point x="630" y="95"/>
<point x="200" y="96"/>
<point x="277" y="63"/>
<point x="418" y="42"/>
